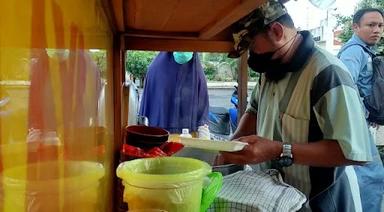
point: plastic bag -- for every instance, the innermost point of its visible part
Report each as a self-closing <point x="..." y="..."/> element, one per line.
<point x="167" y="149"/>
<point x="169" y="183"/>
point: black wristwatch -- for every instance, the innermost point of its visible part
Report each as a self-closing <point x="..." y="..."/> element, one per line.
<point x="286" y="157"/>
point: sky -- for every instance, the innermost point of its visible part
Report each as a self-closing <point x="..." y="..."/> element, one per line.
<point x="306" y="16"/>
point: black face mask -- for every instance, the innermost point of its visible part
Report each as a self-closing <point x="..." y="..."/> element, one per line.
<point x="274" y="69"/>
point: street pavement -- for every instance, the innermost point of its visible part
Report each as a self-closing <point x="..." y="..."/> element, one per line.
<point x="220" y="93"/>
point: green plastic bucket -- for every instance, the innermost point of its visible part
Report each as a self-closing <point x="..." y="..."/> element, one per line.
<point x="169" y="183"/>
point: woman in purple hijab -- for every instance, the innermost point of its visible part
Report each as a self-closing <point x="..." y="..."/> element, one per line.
<point x="175" y="94"/>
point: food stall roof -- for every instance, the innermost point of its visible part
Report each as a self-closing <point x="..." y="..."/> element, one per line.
<point x="176" y="25"/>
<point x="189" y="25"/>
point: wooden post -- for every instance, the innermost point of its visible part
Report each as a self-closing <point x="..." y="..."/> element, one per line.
<point x="242" y="81"/>
<point x="118" y="83"/>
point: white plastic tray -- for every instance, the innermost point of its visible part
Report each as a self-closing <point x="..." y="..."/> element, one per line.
<point x="225" y="146"/>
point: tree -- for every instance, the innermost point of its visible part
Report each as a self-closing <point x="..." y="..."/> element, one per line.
<point x="346" y="21"/>
<point x="213" y="62"/>
<point x="100" y="58"/>
<point x="137" y="62"/>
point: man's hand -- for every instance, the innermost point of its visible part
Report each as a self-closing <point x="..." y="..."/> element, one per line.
<point x="324" y="153"/>
<point x="258" y="150"/>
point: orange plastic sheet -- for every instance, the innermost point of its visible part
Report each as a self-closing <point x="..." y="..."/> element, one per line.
<point x="56" y="113"/>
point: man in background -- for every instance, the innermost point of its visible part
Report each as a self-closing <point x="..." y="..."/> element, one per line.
<point x="356" y="54"/>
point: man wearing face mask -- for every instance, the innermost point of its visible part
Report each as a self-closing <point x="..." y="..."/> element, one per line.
<point x="305" y="117"/>
<point x="175" y="94"/>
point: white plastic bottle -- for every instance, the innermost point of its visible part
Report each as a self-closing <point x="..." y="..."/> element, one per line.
<point x="185" y="133"/>
<point x="203" y="132"/>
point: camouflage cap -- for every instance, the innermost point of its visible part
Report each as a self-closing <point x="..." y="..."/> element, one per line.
<point x="255" y="22"/>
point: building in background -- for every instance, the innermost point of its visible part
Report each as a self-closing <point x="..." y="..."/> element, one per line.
<point x="321" y="23"/>
<point x="326" y="34"/>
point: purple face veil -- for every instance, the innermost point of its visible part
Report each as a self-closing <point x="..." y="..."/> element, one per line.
<point x="175" y="96"/>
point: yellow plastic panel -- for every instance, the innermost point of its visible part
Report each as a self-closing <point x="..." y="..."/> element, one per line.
<point x="56" y="109"/>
